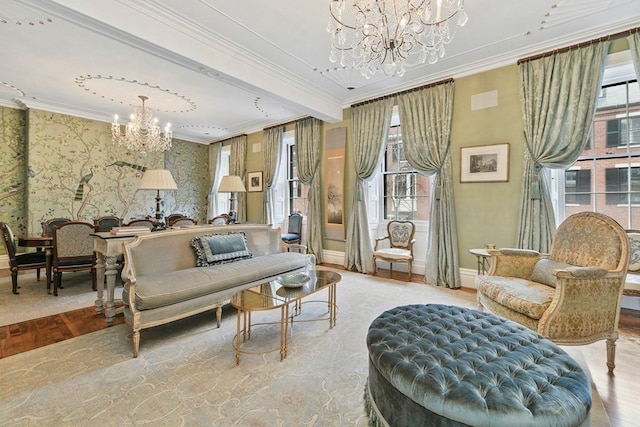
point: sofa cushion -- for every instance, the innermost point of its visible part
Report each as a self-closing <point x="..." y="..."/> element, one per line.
<point x="543" y="271"/>
<point x="523" y="296"/>
<point x="634" y="251"/>
<point x="212" y="249"/>
<point x="159" y="290"/>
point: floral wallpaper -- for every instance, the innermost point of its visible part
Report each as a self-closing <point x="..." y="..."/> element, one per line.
<point x="189" y="165"/>
<point x="69" y="167"/>
<point x="12" y="170"/>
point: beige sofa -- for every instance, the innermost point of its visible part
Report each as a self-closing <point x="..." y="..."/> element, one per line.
<point x="163" y="282"/>
<point x="572" y="295"/>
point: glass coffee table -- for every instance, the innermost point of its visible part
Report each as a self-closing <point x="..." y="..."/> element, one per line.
<point x="288" y="298"/>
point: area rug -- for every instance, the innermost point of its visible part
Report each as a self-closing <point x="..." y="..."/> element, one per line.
<point x="186" y="373"/>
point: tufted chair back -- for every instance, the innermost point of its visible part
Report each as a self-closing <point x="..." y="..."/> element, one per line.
<point x="589" y="239"/>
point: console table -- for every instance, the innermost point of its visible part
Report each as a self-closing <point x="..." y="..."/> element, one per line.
<point x="107" y="247"/>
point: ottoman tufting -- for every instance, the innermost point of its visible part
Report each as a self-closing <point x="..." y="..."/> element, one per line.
<point x="440" y="365"/>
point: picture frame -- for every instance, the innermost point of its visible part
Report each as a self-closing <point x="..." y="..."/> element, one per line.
<point x="254" y="180"/>
<point x="485" y="163"/>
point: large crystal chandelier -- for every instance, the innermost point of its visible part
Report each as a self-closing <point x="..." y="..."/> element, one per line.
<point x="142" y="133"/>
<point x="392" y="34"/>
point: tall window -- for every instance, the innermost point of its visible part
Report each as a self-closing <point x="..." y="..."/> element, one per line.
<point x="298" y="192"/>
<point x="606" y="177"/>
<point x="406" y="192"/>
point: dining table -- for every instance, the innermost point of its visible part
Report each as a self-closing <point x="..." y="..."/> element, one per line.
<point x="41" y="243"/>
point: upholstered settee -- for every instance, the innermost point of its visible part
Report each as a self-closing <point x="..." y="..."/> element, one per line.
<point x="571" y="295"/>
<point x="173" y="274"/>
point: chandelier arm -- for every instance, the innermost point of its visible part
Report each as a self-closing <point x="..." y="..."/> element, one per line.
<point x="335" y="18"/>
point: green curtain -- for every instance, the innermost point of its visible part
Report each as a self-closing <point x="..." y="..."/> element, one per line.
<point x="558" y="96"/>
<point x="307" y="135"/>
<point x="425" y="119"/>
<point x="370" y="128"/>
<point x="238" y="166"/>
<point x="214" y="166"/>
<point x="634" y="47"/>
<point x="272" y="149"/>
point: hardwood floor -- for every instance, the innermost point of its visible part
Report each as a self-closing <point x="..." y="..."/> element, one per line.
<point x="619" y="393"/>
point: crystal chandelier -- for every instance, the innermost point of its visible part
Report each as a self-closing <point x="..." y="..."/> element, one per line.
<point x="142" y="133"/>
<point x="392" y="34"/>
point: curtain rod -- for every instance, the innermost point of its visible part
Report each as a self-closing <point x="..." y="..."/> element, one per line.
<point x="449" y="80"/>
<point x="287" y="123"/>
<point x="577" y="45"/>
<point x="227" y="139"/>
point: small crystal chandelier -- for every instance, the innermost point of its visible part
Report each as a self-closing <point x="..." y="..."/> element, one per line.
<point x="142" y="133"/>
<point x="392" y="34"/>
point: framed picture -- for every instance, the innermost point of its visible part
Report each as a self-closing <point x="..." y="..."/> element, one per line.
<point x="255" y="181"/>
<point x="484" y="163"/>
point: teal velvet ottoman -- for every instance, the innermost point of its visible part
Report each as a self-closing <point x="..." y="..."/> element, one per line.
<point x="439" y="365"/>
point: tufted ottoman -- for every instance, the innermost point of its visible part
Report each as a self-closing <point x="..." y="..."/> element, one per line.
<point x="439" y="365"/>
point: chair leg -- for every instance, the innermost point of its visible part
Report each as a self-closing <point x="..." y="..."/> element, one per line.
<point x="57" y="282"/>
<point x="38" y="274"/>
<point x="611" y="355"/>
<point x="136" y="342"/>
<point x="375" y="266"/>
<point x="14" y="282"/>
<point x="409" y="270"/>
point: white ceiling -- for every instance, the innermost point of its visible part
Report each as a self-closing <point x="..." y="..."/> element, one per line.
<point x="220" y="68"/>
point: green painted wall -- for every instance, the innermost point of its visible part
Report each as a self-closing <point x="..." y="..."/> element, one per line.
<point x="487" y="212"/>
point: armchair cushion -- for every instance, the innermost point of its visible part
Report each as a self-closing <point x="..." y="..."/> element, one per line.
<point x="520" y="295"/>
<point x="543" y="271"/>
<point x="634" y="249"/>
<point x="212" y="249"/>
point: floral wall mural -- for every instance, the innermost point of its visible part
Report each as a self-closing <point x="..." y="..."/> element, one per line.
<point x="12" y="170"/>
<point x="68" y="167"/>
<point x="189" y="165"/>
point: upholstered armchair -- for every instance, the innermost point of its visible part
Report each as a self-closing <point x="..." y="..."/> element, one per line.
<point x="400" y="245"/>
<point x="571" y="295"/>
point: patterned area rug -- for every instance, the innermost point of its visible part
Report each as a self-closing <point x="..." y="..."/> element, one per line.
<point x="186" y="372"/>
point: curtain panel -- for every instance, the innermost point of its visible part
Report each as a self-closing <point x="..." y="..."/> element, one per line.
<point x="634" y="47"/>
<point x="214" y="167"/>
<point x="558" y="97"/>
<point x="425" y="119"/>
<point x="238" y="166"/>
<point x="272" y="149"/>
<point x="307" y="137"/>
<point x="369" y="132"/>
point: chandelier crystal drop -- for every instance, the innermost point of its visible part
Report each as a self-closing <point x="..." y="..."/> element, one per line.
<point x="392" y="35"/>
<point x="142" y="133"/>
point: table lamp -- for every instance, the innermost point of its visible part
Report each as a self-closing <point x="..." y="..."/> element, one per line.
<point x="232" y="184"/>
<point x="157" y="179"/>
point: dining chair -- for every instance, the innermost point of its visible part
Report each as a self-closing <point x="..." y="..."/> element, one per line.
<point x="184" y="222"/>
<point x="107" y="222"/>
<point x="47" y="226"/>
<point x="17" y="262"/>
<point x="222" y="219"/>
<point x="141" y="222"/>
<point x="73" y="251"/>
<point x="171" y="218"/>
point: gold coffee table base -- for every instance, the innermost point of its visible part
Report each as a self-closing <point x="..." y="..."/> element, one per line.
<point x="272" y="295"/>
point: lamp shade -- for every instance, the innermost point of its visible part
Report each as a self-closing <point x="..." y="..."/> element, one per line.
<point x="231" y="184"/>
<point x="157" y="179"/>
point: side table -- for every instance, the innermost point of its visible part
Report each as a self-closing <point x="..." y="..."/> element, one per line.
<point x="482" y="260"/>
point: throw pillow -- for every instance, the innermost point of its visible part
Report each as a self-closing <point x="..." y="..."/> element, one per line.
<point x="212" y="249"/>
<point x="543" y="271"/>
